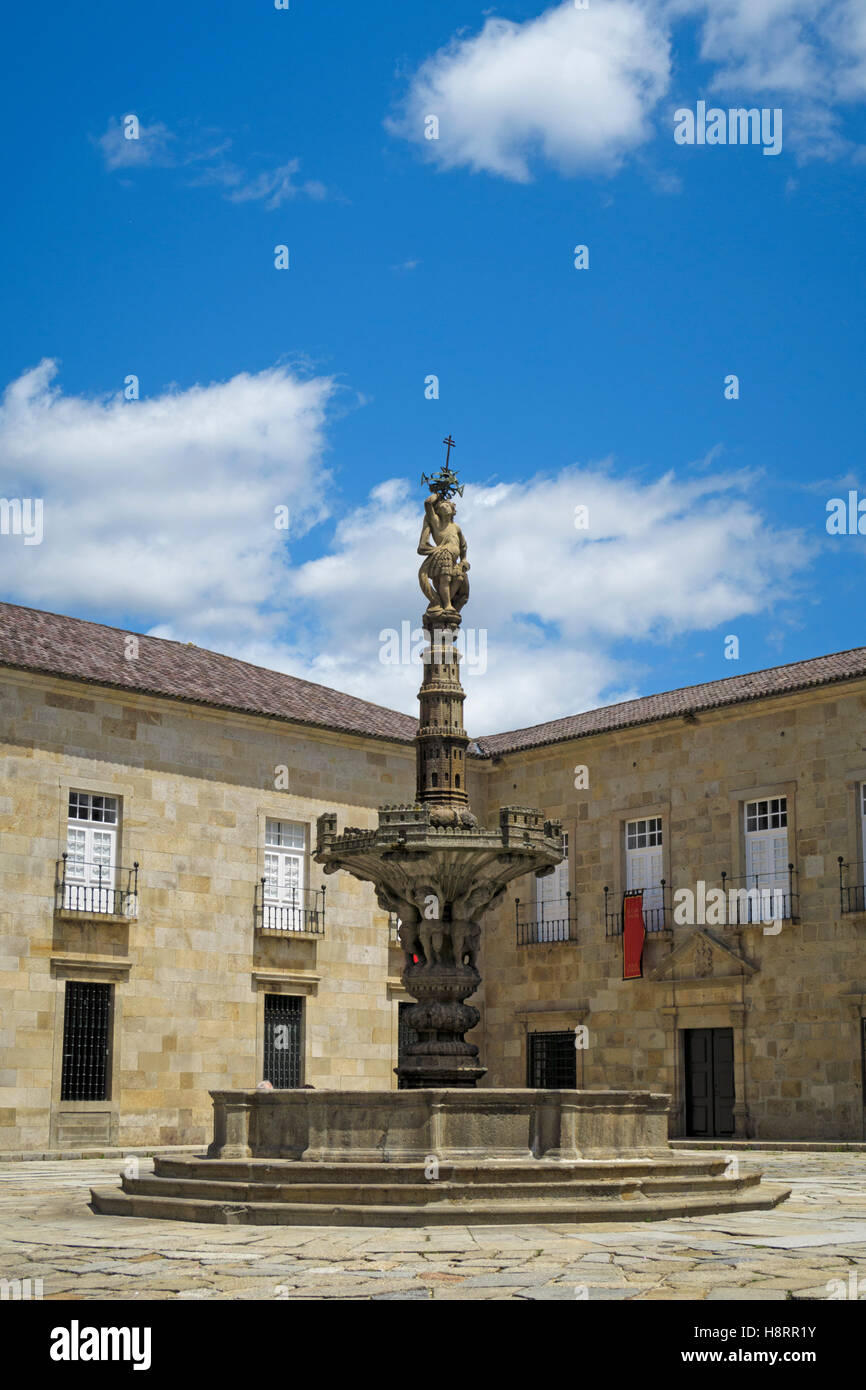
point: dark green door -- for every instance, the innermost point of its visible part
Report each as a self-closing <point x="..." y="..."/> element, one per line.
<point x="709" y="1071"/>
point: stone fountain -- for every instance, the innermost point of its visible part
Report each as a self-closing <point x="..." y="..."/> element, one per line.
<point x="431" y="863"/>
<point x="438" y="1150"/>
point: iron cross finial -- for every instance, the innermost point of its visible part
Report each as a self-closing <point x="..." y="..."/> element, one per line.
<point x="445" y="482"/>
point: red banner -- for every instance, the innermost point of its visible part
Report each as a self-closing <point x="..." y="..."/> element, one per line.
<point x="633" y="934"/>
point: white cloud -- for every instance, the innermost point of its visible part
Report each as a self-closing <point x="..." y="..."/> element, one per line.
<point x="574" y="86"/>
<point x="660" y="560"/>
<point x="273" y="187"/>
<point x="152" y="146"/>
<point x="159" y="513"/>
<point x="204" y="151"/>
<point x="807" y="55"/>
<point x="803" y="47"/>
<point x="580" y="89"/>
<point x="162" y="509"/>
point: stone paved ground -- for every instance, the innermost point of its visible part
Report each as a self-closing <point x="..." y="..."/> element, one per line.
<point x="819" y="1235"/>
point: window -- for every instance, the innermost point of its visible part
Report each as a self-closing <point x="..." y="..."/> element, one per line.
<point x="87" y="1012"/>
<point x="285" y="843"/>
<point x="284" y="898"/>
<point x="771" y="814"/>
<point x="643" y="859"/>
<point x="91" y="852"/>
<point x="551" y="1061"/>
<point x="282" y="1061"/>
<point x="863" y="821"/>
<point x="550" y="891"/>
<point x="766" y="825"/>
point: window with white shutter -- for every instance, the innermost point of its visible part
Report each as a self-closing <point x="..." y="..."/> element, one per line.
<point x="766" y="827"/>
<point x="285" y="846"/>
<point x="91" y="851"/>
<point x="550" y="891"/>
<point x="643" y="859"/>
<point x="863" y="821"/>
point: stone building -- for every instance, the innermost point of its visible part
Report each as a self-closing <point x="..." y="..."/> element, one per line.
<point x="164" y="929"/>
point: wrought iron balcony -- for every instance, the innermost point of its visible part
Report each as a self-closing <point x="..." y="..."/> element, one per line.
<point x="543" y="924"/>
<point x="655" y="919"/>
<point x="760" y="898"/>
<point x="302" y="911"/>
<point x="97" y="889"/>
<point x="852" y="896"/>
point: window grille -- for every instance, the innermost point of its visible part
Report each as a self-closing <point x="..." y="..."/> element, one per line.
<point x="551" y="1061"/>
<point x="283" y="1015"/>
<point x="87" y="1011"/>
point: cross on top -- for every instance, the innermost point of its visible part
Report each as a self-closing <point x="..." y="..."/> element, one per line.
<point x="444" y="483"/>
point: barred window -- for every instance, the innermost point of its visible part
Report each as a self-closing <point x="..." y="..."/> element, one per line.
<point x="283" y="1060"/>
<point x="86" y="1041"/>
<point x="551" y="1061"/>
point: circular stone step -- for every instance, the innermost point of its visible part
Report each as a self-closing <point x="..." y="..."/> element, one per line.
<point x="112" y="1202"/>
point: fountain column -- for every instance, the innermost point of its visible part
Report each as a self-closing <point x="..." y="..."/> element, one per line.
<point x="430" y="863"/>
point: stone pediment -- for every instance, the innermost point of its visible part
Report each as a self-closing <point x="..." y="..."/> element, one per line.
<point x="702" y="958"/>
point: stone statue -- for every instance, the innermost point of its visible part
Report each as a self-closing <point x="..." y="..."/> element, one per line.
<point x="444" y="575"/>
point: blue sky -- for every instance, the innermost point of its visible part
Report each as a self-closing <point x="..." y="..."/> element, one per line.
<point x="411" y="257"/>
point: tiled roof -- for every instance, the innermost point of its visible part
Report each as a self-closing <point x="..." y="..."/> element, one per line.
<point x="35" y="641"/>
<point x="57" y="646"/>
<point x="690" y="699"/>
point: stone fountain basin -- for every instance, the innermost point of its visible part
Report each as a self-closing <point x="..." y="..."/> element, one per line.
<point x="449" y="1123"/>
<point x="437" y="1157"/>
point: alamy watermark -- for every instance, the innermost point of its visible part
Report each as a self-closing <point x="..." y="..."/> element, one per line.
<point x="414" y="646"/>
<point x="716" y="907"/>
<point x="736" y="126"/>
<point x="22" y="516"/>
<point x="846" y="517"/>
<point x="16" y="1290"/>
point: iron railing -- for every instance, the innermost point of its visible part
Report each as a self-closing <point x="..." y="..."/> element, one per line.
<point x="542" y="924"/>
<point x="852" y="896"/>
<point x="655" y="919"/>
<point x="303" y="911"/>
<point x="96" y="888"/>
<point x="754" y="898"/>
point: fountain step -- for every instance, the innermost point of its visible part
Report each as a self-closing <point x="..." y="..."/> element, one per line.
<point x="257" y="1170"/>
<point x="411" y="1194"/>
<point x="729" y="1196"/>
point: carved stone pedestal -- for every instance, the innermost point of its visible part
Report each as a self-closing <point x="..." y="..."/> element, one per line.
<point x="441" y="1018"/>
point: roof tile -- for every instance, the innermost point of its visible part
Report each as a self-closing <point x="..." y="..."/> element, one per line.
<point x="74" y="648"/>
<point x="54" y="645"/>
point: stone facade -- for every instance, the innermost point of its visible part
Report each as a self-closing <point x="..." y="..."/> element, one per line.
<point x="793" y="995"/>
<point x="191" y="969"/>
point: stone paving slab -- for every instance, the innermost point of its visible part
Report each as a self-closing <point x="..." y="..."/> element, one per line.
<point x="797" y="1250"/>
